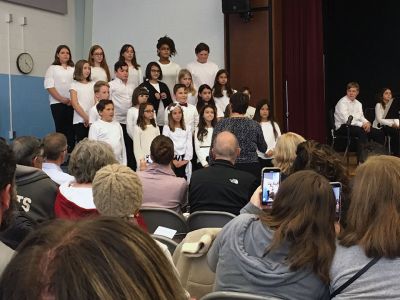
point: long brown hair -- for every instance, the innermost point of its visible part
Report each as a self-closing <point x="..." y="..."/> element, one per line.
<point x="103" y="63"/>
<point x="171" y="122"/>
<point x="99" y="258"/>
<point x="373" y="219"/>
<point x="257" y="116"/>
<point x="217" y="88"/>
<point x="57" y="59"/>
<point x="303" y="214"/>
<point x="202" y="132"/>
<point x="380" y="96"/>
<point x="141" y="121"/>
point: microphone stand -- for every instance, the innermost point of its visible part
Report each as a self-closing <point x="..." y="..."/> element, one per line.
<point x="348" y="144"/>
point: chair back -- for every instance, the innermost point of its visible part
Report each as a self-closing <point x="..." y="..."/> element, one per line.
<point x="171" y="244"/>
<point x="369" y="114"/>
<point x="236" y="295"/>
<point x="155" y="217"/>
<point x="208" y="219"/>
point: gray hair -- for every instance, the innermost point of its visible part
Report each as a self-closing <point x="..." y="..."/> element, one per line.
<point x="225" y="145"/>
<point x="25" y="149"/>
<point x="88" y="157"/>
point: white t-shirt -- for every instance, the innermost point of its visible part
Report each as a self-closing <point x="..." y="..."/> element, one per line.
<point x="59" y="78"/>
<point x="221" y="103"/>
<point x="131" y="120"/>
<point x="203" y="73"/>
<point x="142" y="141"/>
<point x="97" y="74"/>
<point x="170" y="73"/>
<point x="202" y="148"/>
<point x="192" y="99"/>
<point x="93" y="114"/>
<point x="268" y="133"/>
<point x="121" y="95"/>
<point x="182" y="140"/>
<point x="135" y="77"/>
<point x="85" y="95"/>
<point x="111" y="133"/>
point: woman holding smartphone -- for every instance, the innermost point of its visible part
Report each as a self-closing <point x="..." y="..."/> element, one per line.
<point x="285" y="252"/>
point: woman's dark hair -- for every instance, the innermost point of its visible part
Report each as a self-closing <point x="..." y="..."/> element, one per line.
<point x="141" y="121"/>
<point x="140" y="90"/>
<point x="380" y="96"/>
<point x="321" y="158"/>
<point x="57" y="59"/>
<point x="124" y="48"/>
<point x="103" y="63"/>
<point x="202" y="132"/>
<point x="303" y="216"/>
<point x="200" y="101"/>
<point x="148" y="70"/>
<point x="239" y="103"/>
<point x="162" y="150"/>
<point x="257" y="116"/>
<point x="217" y="89"/>
<point x="165" y="40"/>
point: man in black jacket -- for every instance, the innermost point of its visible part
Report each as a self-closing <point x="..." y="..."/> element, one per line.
<point x="221" y="187"/>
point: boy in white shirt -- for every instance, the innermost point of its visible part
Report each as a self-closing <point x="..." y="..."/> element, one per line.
<point x="121" y="95"/>
<point x="101" y="92"/>
<point x="190" y="114"/>
<point x="109" y="131"/>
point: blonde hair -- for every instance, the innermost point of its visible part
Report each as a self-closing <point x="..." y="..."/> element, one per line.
<point x="99" y="258"/>
<point x="117" y="191"/>
<point x="373" y="218"/>
<point x="182" y="74"/>
<point x="285" y="151"/>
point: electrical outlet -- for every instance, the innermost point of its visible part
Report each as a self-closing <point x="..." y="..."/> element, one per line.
<point x="23" y="21"/>
<point x="8" y="18"/>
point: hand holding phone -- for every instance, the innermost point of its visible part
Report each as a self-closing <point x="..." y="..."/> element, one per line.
<point x="337" y="191"/>
<point x="270" y="179"/>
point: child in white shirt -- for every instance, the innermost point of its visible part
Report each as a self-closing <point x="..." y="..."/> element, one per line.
<point x="101" y="92"/>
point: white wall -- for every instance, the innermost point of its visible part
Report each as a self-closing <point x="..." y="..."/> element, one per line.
<point x="44" y="32"/>
<point x="142" y="23"/>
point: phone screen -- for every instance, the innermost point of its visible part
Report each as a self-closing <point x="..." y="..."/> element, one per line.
<point x="337" y="191"/>
<point x="271" y="178"/>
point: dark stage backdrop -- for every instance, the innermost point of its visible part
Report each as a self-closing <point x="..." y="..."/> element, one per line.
<point x="361" y="43"/>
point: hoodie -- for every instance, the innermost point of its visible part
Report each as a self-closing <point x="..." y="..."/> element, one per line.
<point x="241" y="265"/>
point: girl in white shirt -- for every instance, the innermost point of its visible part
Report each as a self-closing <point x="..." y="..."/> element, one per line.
<point x="166" y="49"/>
<point x="82" y="99"/>
<point x="185" y="77"/>
<point x="203" y="134"/>
<point x="181" y="136"/>
<point x="139" y="96"/>
<point x="222" y="91"/>
<point x="57" y="82"/>
<point x="389" y="126"/>
<point x="128" y="55"/>
<point x="98" y="62"/>
<point x="145" y="132"/>
<point x="108" y="130"/>
<point x="270" y="129"/>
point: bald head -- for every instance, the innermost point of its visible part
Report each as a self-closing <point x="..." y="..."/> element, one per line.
<point x="226" y="146"/>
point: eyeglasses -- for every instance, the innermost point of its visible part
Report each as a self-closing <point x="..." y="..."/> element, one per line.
<point x="155" y="71"/>
<point x="98" y="54"/>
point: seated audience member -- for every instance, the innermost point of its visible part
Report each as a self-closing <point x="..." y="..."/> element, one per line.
<point x="322" y="159"/>
<point x="55" y="150"/>
<point x="221" y="187"/>
<point x="285" y="252"/>
<point x="161" y="187"/>
<point x="7" y="197"/>
<point x="349" y="113"/>
<point x="75" y="199"/>
<point x="372" y="149"/>
<point x="36" y="192"/>
<point x="285" y="152"/>
<point x="97" y="258"/>
<point x="372" y="234"/>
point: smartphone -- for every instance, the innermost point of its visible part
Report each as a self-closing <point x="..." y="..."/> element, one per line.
<point x="270" y="180"/>
<point x="148" y="159"/>
<point x="337" y="191"/>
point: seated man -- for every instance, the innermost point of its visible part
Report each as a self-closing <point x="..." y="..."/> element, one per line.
<point x="349" y="114"/>
<point x="55" y="149"/>
<point x="221" y="187"/>
<point x="36" y="192"/>
<point x="7" y="197"/>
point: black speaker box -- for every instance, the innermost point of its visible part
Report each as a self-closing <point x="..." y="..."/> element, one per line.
<point x="235" y="6"/>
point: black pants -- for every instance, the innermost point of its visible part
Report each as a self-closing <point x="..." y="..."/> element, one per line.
<point x="62" y="116"/>
<point x="356" y="131"/>
<point x="81" y="132"/>
<point x="181" y="171"/>
<point x="394" y="138"/>
<point x="131" y="161"/>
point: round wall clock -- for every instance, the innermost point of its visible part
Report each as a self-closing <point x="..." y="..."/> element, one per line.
<point x="25" y="63"/>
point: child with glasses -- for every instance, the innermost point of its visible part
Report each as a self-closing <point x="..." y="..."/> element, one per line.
<point x="98" y="62"/>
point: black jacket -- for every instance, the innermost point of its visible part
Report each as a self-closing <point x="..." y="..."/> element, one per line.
<point x="221" y="187"/>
